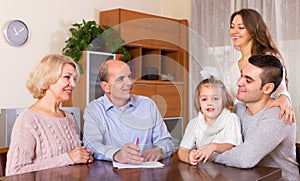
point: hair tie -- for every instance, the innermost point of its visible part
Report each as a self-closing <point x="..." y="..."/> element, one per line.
<point x="208" y="72"/>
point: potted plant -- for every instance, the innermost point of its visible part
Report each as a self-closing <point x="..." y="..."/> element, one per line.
<point x="90" y="36"/>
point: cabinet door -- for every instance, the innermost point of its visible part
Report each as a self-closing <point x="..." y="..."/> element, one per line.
<point x="169" y="99"/>
<point x="144" y="90"/>
<point x="136" y="26"/>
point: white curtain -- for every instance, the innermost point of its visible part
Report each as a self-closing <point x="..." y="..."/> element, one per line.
<point x="210" y="43"/>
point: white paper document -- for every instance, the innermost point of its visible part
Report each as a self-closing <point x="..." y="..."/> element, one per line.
<point x="143" y="165"/>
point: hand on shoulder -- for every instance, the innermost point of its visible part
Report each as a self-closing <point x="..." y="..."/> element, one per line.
<point x="286" y="109"/>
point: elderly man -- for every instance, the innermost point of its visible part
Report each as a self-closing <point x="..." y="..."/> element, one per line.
<point x="123" y="127"/>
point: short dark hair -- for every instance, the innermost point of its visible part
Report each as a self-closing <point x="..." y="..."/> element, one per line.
<point x="272" y="69"/>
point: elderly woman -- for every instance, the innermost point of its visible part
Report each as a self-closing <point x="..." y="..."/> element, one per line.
<point x="44" y="136"/>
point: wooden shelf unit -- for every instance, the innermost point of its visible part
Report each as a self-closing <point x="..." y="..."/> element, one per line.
<point x="158" y="46"/>
<point x="167" y="95"/>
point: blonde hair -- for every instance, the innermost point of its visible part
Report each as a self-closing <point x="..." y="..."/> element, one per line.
<point x="226" y="98"/>
<point x="47" y="72"/>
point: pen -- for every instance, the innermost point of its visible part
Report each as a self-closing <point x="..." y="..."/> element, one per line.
<point x="137" y="141"/>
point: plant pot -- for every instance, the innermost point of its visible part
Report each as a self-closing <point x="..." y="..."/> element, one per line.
<point x="119" y="56"/>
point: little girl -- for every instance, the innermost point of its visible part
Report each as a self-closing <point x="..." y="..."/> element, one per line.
<point x="215" y="129"/>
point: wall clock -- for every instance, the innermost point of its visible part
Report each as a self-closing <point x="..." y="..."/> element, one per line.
<point x="16" y="33"/>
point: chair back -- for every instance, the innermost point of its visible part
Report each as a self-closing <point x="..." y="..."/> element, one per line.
<point x="3" y="157"/>
<point x="298" y="154"/>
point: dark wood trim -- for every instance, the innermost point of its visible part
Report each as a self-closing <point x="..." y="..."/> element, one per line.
<point x="3" y="156"/>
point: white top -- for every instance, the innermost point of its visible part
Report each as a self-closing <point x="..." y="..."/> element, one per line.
<point x="226" y="129"/>
<point x="235" y="73"/>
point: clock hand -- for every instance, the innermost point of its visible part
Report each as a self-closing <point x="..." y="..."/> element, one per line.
<point x="20" y="30"/>
<point x="16" y="33"/>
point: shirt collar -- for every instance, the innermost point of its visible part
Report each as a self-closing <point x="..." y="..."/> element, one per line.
<point x="108" y="104"/>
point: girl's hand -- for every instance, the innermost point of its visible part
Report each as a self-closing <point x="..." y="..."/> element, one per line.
<point x="193" y="159"/>
<point x="206" y="151"/>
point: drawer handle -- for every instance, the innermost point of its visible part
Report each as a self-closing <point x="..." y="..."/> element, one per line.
<point x="167" y="49"/>
<point x="135" y="44"/>
<point x="140" y="84"/>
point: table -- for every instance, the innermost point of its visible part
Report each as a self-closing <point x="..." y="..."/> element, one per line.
<point x="173" y="170"/>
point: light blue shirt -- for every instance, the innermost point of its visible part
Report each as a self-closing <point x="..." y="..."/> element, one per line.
<point x="107" y="128"/>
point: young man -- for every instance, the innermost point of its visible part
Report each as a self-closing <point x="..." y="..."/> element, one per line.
<point x="123" y="127"/>
<point x="268" y="141"/>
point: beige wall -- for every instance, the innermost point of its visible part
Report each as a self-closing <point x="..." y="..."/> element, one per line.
<point x="49" y="22"/>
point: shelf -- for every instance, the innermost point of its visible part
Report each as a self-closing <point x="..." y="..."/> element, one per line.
<point x="158" y="46"/>
<point x="151" y="61"/>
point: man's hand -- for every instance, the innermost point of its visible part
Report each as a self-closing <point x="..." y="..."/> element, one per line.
<point x="153" y="154"/>
<point x="285" y="108"/>
<point x="130" y="153"/>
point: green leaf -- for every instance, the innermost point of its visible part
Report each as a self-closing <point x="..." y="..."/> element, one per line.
<point x="88" y="35"/>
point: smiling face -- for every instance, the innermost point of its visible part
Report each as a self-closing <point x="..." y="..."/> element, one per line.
<point x="62" y="89"/>
<point x="210" y="100"/>
<point x="250" y="90"/>
<point x="119" y="83"/>
<point x="239" y="34"/>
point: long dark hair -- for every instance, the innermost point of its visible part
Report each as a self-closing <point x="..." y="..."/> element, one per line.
<point x="262" y="39"/>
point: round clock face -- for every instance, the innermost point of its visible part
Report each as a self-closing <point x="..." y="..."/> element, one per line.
<point x="16" y="33"/>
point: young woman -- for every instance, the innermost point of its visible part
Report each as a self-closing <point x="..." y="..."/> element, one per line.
<point x="250" y="35"/>
<point x="44" y="136"/>
<point x="216" y="129"/>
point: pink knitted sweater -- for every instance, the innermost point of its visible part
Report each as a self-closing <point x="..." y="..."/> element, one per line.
<point x="40" y="141"/>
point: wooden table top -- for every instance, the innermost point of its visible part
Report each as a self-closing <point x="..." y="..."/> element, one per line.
<point x="173" y="170"/>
